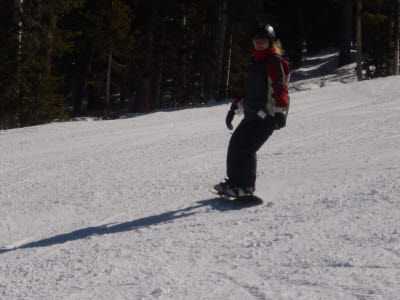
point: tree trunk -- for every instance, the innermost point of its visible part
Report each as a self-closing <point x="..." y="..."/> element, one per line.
<point x="107" y="107"/>
<point x="396" y="39"/>
<point x="144" y="95"/>
<point x="9" y="117"/>
<point x="359" y="41"/>
<point x="158" y="76"/>
<point x="210" y="67"/>
<point x="18" y="6"/>
<point x="346" y="33"/>
<point x="157" y="88"/>
<point x="53" y="24"/>
<point x="388" y="70"/>
<point x="202" y="81"/>
<point x="296" y="36"/>
<point x="224" y="18"/>
<point x="182" y="80"/>
<point x="228" y="64"/>
<point x="124" y="88"/>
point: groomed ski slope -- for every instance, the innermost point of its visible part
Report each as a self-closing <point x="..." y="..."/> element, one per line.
<point x="121" y="209"/>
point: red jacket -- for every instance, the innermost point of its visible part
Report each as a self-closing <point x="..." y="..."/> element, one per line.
<point x="275" y="85"/>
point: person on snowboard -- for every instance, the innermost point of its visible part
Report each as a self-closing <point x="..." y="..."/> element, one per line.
<point x="265" y="104"/>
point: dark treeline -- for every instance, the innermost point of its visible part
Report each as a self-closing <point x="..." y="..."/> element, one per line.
<point x="67" y="58"/>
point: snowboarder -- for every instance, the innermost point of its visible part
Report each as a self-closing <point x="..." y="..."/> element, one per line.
<point x="265" y="105"/>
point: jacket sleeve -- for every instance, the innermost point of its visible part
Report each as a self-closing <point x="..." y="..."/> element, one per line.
<point x="277" y="81"/>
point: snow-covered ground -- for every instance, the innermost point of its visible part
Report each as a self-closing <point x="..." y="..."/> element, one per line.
<point x="321" y="70"/>
<point x="121" y="209"/>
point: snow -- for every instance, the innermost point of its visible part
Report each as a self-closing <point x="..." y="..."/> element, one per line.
<point x="321" y="70"/>
<point x="120" y="209"/>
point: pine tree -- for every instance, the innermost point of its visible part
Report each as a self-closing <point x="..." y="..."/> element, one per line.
<point x="99" y="59"/>
<point x="396" y="39"/>
<point x="346" y="29"/>
<point x="359" y="40"/>
<point x="9" y="63"/>
<point x="378" y="35"/>
<point x="42" y="98"/>
<point x="32" y="92"/>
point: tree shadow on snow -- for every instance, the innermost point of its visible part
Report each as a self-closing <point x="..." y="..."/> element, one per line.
<point x="215" y="203"/>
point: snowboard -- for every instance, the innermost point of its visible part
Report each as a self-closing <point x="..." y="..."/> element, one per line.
<point x="243" y="200"/>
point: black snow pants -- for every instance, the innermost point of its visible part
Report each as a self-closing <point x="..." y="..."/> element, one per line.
<point x="246" y="140"/>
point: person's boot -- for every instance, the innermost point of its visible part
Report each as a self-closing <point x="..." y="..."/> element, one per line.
<point x="227" y="188"/>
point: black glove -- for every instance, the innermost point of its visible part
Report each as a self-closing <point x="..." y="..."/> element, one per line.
<point x="229" y="119"/>
<point x="279" y="120"/>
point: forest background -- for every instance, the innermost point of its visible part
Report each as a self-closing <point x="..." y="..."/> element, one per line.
<point x="61" y="59"/>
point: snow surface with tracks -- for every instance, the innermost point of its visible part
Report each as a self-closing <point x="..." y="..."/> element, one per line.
<point x="121" y="209"/>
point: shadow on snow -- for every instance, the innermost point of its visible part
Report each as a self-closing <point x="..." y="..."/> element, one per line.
<point x="215" y="203"/>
